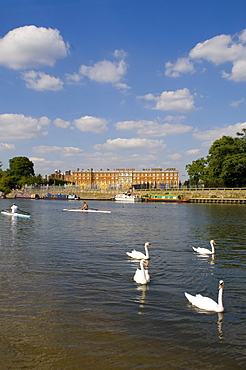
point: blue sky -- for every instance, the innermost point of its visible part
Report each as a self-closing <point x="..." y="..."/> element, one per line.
<point x="119" y="83"/>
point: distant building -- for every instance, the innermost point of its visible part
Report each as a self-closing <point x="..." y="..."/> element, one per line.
<point x="121" y="178"/>
<point x="59" y="175"/>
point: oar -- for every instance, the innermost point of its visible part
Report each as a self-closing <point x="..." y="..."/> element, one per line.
<point x="19" y="210"/>
<point x="24" y="212"/>
<point x="94" y="209"/>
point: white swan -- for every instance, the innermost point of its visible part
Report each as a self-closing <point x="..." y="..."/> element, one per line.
<point x="205" y="250"/>
<point x="206" y="303"/>
<point x="141" y="275"/>
<point x="139" y="255"/>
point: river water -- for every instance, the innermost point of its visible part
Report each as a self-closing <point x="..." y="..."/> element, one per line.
<point x="68" y="299"/>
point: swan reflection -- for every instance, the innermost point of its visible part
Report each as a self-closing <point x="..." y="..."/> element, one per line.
<point x="210" y="258"/>
<point x="220" y="322"/>
<point x="142" y="297"/>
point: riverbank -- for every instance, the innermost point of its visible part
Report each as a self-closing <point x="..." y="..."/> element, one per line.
<point x="213" y="195"/>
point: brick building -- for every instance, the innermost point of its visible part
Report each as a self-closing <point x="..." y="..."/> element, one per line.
<point x="121" y="178"/>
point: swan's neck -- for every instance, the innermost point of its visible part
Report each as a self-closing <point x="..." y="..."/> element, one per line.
<point x="220" y="303"/>
<point x="143" y="269"/>
<point x="146" y="251"/>
<point x="212" y="246"/>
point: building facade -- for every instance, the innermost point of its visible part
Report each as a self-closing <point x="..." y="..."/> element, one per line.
<point x="121" y="178"/>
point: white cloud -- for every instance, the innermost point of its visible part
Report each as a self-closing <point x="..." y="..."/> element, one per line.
<point x="217" y="132"/>
<point x="236" y="103"/>
<point x="40" y="81"/>
<point x="132" y="144"/>
<point x="91" y="124"/>
<point x="61" y="123"/>
<point x="31" y="46"/>
<point x="73" y="79"/>
<point x="175" y="156"/>
<point x="242" y="36"/>
<point x="122" y="86"/>
<point x="217" y="50"/>
<point x="18" y="126"/>
<point x="180" y="100"/>
<point x="192" y="152"/>
<point x="152" y="128"/>
<point x="183" y="65"/>
<point x="5" y="146"/>
<point x="238" y="72"/>
<point x="61" y="151"/>
<point x="174" y="119"/>
<point x="104" y="71"/>
<point x="120" y="53"/>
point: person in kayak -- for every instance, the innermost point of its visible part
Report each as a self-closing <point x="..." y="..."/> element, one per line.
<point x="85" y="206"/>
<point x="14" y="208"/>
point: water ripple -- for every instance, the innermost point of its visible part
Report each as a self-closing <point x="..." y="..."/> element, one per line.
<point x="68" y="297"/>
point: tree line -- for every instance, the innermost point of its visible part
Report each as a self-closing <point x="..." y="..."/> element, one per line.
<point x="224" y="166"/>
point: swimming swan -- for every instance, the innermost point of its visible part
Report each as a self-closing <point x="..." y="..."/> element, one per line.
<point x="206" y="303"/>
<point x="205" y="250"/>
<point x="141" y="275"/>
<point x="139" y="255"/>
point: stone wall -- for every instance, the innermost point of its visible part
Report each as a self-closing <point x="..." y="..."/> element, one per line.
<point x="109" y="194"/>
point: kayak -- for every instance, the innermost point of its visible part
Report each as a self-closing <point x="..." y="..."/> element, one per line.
<point x="84" y="210"/>
<point x="15" y="214"/>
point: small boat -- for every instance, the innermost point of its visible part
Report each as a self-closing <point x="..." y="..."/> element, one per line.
<point x="167" y="198"/>
<point x="73" y="197"/>
<point x="55" y="196"/>
<point x="27" y="196"/>
<point x="128" y="197"/>
<point x="84" y="210"/>
<point x="6" y="213"/>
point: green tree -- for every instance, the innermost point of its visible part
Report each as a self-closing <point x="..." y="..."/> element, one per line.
<point x="225" y="164"/>
<point x="20" y="173"/>
<point x="197" y="171"/>
<point x="234" y="170"/>
<point x="21" y="166"/>
<point x="7" y="182"/>
<point x="219" y="152"/>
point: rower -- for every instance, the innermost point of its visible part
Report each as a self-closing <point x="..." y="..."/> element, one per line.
<point x="85" y="206"/>
<point x="14" y="208"/>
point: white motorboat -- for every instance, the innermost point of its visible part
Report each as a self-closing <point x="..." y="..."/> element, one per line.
<point x="128" y="197"/>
